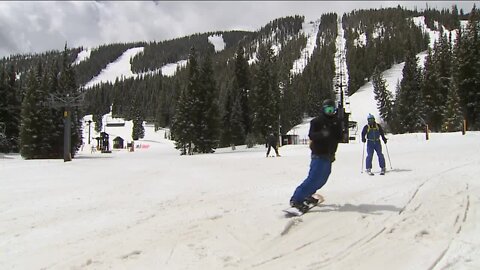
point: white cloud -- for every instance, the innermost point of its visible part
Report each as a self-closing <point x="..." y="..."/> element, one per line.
<point x="40" y="26"/>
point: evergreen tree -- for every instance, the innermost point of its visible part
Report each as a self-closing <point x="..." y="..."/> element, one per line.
<point x="468" y="70"/>
<point x="14" y="108"/>
<point x="395" y="120"/>
<point x="236" y="124"/>
<point x="409" y="101"/>
<point x="242" y="84"/>
<point x="265" y="93"/>
<point x="185" y="122"/>
<point x="31" y="142"/>
<point x="68" y="86"/>
<point x="44" y="118"/>
<point x="443" y="66"/>
<point x="207" y="129"/>
<point x="138" y="131"/>
<point x="55" y="130"/>
<point x="452" y="117"/>
<point x="4" y="112"/>
<point x="181" y="126"/>
<point x="9" y="107"/>
<point x="431" y="94"/>
<point x="383" y="96"/>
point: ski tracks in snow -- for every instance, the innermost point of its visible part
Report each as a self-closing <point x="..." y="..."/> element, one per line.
<point x="432" y="217"/>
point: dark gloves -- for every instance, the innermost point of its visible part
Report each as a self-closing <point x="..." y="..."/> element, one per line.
<point x="364" y="140"/>
<point x="385" y="140"/>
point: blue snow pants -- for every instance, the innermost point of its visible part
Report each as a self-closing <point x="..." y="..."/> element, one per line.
<point x="377" y="147"/>
<point x="320" y="168"/>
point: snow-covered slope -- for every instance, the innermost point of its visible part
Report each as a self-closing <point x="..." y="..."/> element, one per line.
<point x="310" y="30"/>
<point x="154" y="209"/>
<point x="122" y="69"/>
<point x="82" y="56"/>
<point x="217" y="42"/>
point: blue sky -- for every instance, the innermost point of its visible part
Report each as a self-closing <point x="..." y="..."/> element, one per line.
<point x="38" y="26"/>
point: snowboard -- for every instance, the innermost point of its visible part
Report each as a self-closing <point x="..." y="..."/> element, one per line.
<point x="294" y="212"/>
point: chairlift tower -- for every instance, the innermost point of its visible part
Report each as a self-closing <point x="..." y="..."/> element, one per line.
<point x="67" y="102"/>
<point x="339" y="85"/>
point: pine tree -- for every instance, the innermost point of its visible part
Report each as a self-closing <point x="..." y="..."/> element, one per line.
<point x="68" y="86"/>
<point x="236" y="123"/>
<point x="265" y="93"/>
<point x="431" y="94"/>
<point x="443" y="66"/>
<point x="14" y="105"/>
<point x="226" y="138"/>
<point x="9" y="108"/>
<point x="44" y="118"/>
<point x="242" y="84"/>
<point x="409" y="101"/>
<point x="138" y="131"/>
<point x="383" y="96"/>
<point x="468" y="70"/>
<point x="181" y="126"/>
<point x="55" y="130"/>
<point x="31" y="142"/>
<point x="186" y="121"/>
<point x="4" y="113"/>
<point x="207" y="129"/>
<point x="452" y="117"/>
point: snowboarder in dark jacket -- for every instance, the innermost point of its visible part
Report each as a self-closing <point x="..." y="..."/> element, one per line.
<point x="272" y="142"/>
<point x="325" y="133"/>
<point x="371" y="134"/>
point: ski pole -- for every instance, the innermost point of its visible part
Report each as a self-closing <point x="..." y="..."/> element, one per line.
<point x="389" y="161"/>
<point x="363" y="157"/>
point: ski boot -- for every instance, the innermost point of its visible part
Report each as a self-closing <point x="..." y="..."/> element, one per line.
<point x="311" y="200"/>
<point x="302" y="207"/>
<point x="383" y="171"/>
<point x="369" y="171"/>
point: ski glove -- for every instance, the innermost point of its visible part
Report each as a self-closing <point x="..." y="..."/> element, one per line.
<point x="385" y="140"/>
<point x="364" y="140"/>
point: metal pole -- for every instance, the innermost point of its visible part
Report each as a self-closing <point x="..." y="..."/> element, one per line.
<point x="67" y="136"/>
<point x="389" y="161"/>
<point x="89" y="123"/>
<point x="363" y="157"/>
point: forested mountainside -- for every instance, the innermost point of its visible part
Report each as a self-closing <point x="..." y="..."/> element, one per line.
<point x="249" y="84"/>
<point x="377" y="39"/>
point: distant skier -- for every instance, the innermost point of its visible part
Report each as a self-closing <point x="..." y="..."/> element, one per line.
<point x="325" y="133"/>
<point x="272" y="142"/>
<point x="372" y="132"/>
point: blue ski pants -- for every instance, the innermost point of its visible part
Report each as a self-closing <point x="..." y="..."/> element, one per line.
<point x="320" y="168"/>
<point x="377" y="147"/>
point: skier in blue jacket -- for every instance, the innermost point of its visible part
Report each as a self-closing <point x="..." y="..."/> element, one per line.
<point x="371" y="134"/>
<point x="325" y="133"/>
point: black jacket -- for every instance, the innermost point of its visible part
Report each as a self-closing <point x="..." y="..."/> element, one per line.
<point x="325" y="133"/>
<point x="271" y="140"/>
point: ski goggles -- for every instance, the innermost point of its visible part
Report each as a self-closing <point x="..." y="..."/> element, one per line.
<point x="329" y="109"/>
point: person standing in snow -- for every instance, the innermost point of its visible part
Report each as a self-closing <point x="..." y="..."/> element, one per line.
<point x="325" y="133"/>
<point x="372" y="132"/>
<point x="272" y="142"/>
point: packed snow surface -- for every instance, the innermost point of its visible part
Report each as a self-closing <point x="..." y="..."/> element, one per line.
<point x="155" y="209"/>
